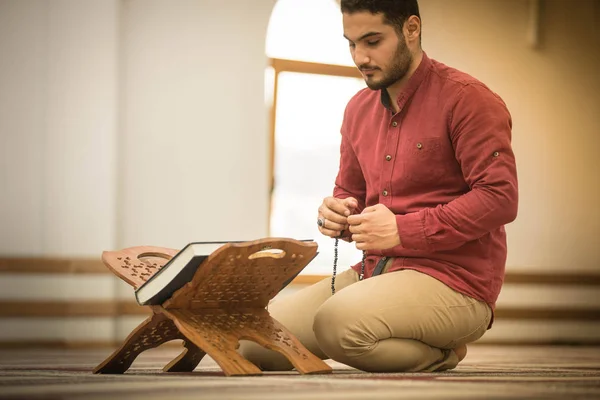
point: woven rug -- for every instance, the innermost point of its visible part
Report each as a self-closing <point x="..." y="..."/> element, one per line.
<point x="490" y="372"/>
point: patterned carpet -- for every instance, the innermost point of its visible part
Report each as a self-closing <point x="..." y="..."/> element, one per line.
<point x="490" y="372"/>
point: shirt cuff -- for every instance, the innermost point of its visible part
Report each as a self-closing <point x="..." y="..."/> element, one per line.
<point x="411" y="229"/>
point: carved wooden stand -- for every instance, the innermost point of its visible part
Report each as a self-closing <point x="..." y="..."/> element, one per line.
<point x="225" y="302"/>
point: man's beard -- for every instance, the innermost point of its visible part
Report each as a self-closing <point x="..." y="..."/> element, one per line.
<point x="402" y="60"/>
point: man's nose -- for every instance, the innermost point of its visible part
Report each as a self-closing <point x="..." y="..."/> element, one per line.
<point x="360" y="57"/>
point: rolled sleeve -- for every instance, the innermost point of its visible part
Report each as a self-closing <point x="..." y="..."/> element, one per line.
<point x="411" y="230"/>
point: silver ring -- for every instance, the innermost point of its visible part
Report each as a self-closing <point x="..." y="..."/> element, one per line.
<point x="321" y="222"/>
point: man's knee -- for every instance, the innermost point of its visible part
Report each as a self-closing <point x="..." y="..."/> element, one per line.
<point x="339" y="333"/>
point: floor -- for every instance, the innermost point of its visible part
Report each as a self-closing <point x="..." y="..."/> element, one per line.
<point x="490" y="372"/>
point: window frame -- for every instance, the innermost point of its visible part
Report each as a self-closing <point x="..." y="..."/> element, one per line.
<point x="284" y="65"/>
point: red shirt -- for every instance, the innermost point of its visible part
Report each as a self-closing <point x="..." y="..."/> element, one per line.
<point x="444" y="166"/>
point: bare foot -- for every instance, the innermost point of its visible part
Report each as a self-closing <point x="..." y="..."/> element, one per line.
<point x="461" y="352"/>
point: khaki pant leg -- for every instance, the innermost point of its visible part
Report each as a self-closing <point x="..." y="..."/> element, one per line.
<point x="296" y="312"/>
<point x="399" y="321"/>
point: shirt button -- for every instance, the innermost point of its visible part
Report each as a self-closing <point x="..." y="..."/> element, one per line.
<point x="385" y="193"/>
<point x="394" y="123"/>
<point x="419" y="146"/>
<point x="388" y="157"/>
<point x="496" y="154"/>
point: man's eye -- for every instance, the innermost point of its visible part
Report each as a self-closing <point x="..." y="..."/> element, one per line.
<point x="352" y="45"/>
<point x="373" y="42"/>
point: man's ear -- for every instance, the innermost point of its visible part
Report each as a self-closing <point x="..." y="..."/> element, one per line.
<point x="412" y="28"/>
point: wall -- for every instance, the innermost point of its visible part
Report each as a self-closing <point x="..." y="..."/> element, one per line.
<point x="194" y="148"/>
<point x="131" y="125"/>
<point x="58" y="126"/>
<point x="553" y="93"/>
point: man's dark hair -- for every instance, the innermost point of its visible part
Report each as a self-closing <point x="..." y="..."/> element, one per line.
<point x="395" y="12"/>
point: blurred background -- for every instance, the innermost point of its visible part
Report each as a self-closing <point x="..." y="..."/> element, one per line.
<point x="161" y="122"/>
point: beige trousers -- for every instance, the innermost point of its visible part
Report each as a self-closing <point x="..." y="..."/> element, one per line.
<point x="393" y="322"/>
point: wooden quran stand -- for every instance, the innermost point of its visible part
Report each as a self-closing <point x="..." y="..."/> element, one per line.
<point x="224" y="302"/>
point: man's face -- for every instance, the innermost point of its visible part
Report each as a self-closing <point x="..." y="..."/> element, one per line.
<point x="378" y="51"/>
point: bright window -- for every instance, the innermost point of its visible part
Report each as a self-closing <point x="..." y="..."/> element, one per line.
<point x="309" y="111"/>
<point x="308" y="30"/>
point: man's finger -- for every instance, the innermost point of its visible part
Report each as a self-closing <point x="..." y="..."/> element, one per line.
<point x="362" y="245"/>
<point x="334" y="218"/>
<point x="337" y="206"/>
<point x="355" y="219"/>
<point x="359" y="237"/>
<point x="370" y="209"/>
<point x="354" y="228"/>
<point x="350" y="202"/>
<point x="332" y="225"/>
<point x="330" y="232"/>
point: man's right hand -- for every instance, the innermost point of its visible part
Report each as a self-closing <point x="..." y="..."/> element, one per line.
<point x="334" y="214"/>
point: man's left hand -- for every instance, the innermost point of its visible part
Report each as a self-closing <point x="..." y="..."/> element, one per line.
<point x="374" y="229"/>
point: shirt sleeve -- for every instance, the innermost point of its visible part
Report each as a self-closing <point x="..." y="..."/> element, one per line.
<point x="350" y="181"/>
<point x="480" y="130"/>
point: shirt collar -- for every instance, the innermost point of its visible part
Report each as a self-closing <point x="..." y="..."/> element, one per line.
<point x="411" y="87"/>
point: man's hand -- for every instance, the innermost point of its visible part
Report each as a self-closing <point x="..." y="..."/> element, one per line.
<point x="334" y="214"/>
<point x="374" y="229"/>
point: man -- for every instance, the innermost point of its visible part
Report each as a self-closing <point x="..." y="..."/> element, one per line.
<point x="426" y="183"/>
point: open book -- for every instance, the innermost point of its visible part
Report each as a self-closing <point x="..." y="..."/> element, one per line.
<point x="178" y="271"/>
